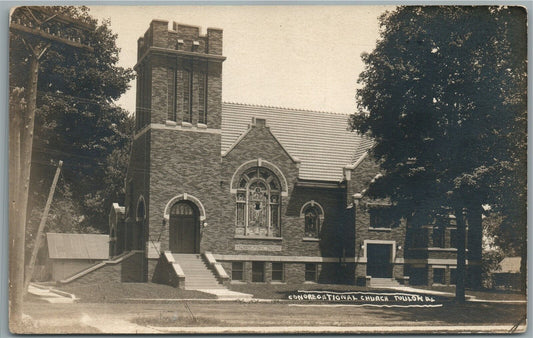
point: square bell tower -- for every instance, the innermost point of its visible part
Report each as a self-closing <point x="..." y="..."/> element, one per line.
<point x="173" y="178"/>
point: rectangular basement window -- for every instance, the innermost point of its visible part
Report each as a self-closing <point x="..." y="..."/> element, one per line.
<point x="310" y="272"/>
<point x="237" y="271"/>
<point x="453" y="276"/>
<point x="277" y="272"/>
<point x="258" y="272"/>
<point x="438" y="276"/>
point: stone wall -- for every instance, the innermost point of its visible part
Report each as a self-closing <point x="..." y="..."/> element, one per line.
<point x="394" y="236"/>
<point x="259" y="143"/>
<point x="184" y="162"/>
<point x="105" y="274"/>
<point x="135" y="268"/>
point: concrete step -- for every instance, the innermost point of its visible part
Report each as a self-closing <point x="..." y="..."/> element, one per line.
<point x="198" y="276"/>
<point x="193" y="277"/>
<point x="197" y="273"/>
<point x="383" y="282"/>
<point x="227" y="294"/>
<point x="194" y="286"/>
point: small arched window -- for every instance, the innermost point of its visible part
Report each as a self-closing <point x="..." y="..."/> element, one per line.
<point x="141" y="209"/>
<point x="312" y="215"/>
<point x="258" y="203"/>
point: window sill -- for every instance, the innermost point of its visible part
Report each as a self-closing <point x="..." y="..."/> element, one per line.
<point x="310" y="239"/>
<point x="380" y="229"/>
<point x="237" y="282"/>
<point x="442" y="249"/>
<point x="171" y="123"/>
<point x="279" y="282"/>
<point x="202" y="126"/>
<point x="434" y="249"/>
<point x="186" y="124"/>
<point x="310" y="282"/>
<point x="258" y="237"/>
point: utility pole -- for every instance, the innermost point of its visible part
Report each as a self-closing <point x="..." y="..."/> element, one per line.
<point x="37" y="245"/>
<point x="39" y="28"/>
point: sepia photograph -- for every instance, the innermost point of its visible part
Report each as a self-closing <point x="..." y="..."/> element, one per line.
<point x="282" y="169"/>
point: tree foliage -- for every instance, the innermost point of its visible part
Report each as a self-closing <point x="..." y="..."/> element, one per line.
<point x="444" y="97"/>
<point x="77" y="122"/>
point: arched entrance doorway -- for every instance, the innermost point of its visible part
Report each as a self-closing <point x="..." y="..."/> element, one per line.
<point x="184" y="228"/>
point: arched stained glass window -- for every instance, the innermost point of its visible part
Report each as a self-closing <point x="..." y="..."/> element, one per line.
<point x="312" y="214"/>
<point x="258" y="204"/>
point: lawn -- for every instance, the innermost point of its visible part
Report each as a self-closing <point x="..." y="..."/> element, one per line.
<point x="280" y="291"/>
<point x="123" y="292"/>
<point x="113" y="292"/>
<point x="284" y="314"/>
<point x="486" y="294"/>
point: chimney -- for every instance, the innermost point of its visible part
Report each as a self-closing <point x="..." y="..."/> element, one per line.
<point x="258" y="122"/>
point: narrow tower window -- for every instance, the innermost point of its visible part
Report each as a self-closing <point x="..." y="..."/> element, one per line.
<point x="202" y="97"/>
<point x="187" y="96"/>
<point x="172" y="112"/>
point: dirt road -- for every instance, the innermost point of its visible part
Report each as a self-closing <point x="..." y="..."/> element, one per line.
<point x="124" y="317"/>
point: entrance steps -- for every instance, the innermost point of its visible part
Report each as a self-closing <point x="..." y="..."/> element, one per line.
<point x="197" y="275"/>
<point x="383" y="283"/>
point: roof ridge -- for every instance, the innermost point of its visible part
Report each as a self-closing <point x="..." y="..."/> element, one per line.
<point x="285" y="108"/>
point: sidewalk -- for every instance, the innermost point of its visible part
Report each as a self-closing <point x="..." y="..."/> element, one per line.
<point x="51" y="295"/>
<point x="225" y="294"/>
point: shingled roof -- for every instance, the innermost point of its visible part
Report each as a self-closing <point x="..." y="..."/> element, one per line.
<point x="320" y="140"/>
<point x="77" y="246"/>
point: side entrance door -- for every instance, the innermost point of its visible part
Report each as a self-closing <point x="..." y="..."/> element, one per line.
<point x="379" y="257"/>
<point x="184" y="228"/>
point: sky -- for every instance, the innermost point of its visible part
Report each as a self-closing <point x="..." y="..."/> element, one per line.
<point x="306" y="57"/>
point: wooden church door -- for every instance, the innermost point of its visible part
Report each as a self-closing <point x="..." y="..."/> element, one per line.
<point x="184" y="228"/>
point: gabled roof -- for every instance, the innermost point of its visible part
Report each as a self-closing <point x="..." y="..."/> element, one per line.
<point x="77" y="246"/>
<point x="510" y="265"/>
<point x="321" y="141"/>
<point x="243" y="135"/>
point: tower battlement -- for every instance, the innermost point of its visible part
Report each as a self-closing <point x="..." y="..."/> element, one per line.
<point x="179" y="76"/>
<point x="182" y="37"/>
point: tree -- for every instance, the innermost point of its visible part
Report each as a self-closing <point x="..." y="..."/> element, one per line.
<point x="77" y="122"/>
<point x="63" y="75"/>
<point x="31" y="26"/>
<point x="443" y="94"/>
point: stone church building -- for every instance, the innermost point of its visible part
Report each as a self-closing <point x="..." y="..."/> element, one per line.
<point x="257" y="193"/>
